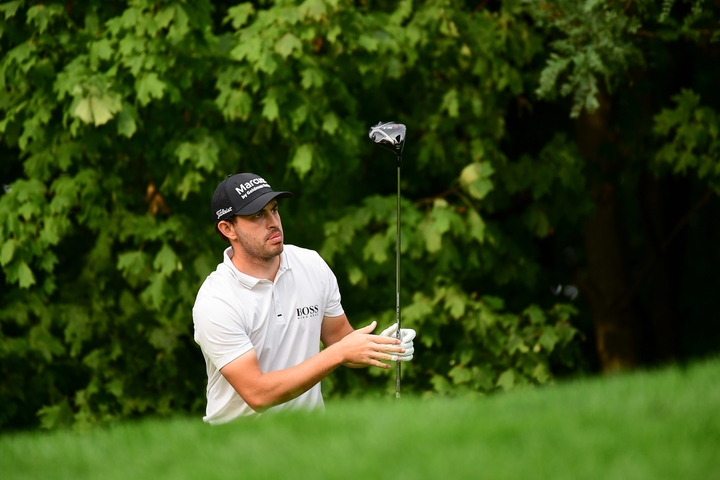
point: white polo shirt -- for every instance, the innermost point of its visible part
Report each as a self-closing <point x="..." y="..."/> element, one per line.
<point x="280" y="320"/>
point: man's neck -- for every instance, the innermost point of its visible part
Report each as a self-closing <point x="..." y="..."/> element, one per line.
<point x="255" y="267"/>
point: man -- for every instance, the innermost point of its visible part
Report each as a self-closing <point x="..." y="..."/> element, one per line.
<point x="261" y="315"/>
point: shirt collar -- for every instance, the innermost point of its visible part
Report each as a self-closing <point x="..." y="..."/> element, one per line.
<point x="247" y="280"/>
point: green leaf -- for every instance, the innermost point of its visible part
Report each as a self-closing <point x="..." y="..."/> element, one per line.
<point x="163" y="339"/>
<point x="7" y="251"/>
<point x="65" y="154"/>
<point x="102" y="110"/>
<point x="460" y="374"/>
<point x="433" y="237"/>
<point x="238" y="105"/>
<point x="355" y="275"/>
<point x="41" y="14"/>
<point x="42" y="341"/>
<point x="190" y="183"/>
<point x="313" y="9"/>
<point x="495" y="303"/>
<point x="440" y="384"/>
<point x="368" y="43"/>
<point x="83" y="111"/>
<point x="56" y="416"/>
<point x="516" y="344"/>
<point x="541" y="373"/>
<point x="311" y="77"/>
<point x="549" y="338"/>
<point x="270" y="108"/>
<point x="476" y="225"/>
<point x="180" y="25"/>
<point x="166" y="261"/>
<point x="97" y="110"/>
<point x="287" y="44"/>
<point x="165" y="16"/>
<point x="442" y="216"/>
<point x="10" y="8"/>
<point x="455" y="303"/>
<point x="475" y="179"/>
<point x="126" y="123"/>
<point x="302" y="160"/>
<point x="451" y="103"/>
<point x="115" y="387"/>
<point x="132" y="263"/>
<point x="376" y="249"/>
<point x="330" y="123"/>
<point x="149" y="87"/>
<point x="537" y="221"/>
<point x="506" y="380"/>
<point x="153" y="296"/>
<point x="239" y="14"/>
<point x="204" y="154"/>
<point x="535" y="314"/>
<point x="419" y="309"/>
<point x="100" y="50"/>
<point x="25" y="275"/>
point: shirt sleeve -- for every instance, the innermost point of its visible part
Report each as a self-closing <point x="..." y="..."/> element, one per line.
<point x="220" y="330"/>
<point x="333" y="306"/>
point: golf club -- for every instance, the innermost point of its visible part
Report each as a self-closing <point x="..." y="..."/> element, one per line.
<point x="391" y="135"/>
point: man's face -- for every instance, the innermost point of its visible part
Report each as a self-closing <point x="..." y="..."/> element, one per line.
<point x="260" y="235"/>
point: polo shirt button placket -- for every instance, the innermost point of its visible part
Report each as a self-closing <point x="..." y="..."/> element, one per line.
<point x="278" y="310"/>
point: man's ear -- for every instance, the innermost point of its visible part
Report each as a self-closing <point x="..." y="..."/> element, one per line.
<point x="227" y="229"/>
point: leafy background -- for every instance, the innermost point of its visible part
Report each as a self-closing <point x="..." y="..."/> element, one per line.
<point x="559" y="186"/>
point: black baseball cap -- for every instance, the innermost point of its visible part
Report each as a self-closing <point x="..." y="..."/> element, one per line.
<point x="242" y="194"/>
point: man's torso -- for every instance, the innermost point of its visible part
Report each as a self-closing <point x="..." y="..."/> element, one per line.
<point x="281" y="320"/>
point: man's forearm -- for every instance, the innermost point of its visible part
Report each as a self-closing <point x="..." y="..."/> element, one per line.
<point x="266" y="390"/>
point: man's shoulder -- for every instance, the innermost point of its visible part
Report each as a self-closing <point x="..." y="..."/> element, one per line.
<point x="307" y="264"/>
<point x="302" y="254"/>
<point x="218" y="284"/>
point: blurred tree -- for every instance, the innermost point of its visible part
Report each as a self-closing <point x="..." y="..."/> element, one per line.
<point x="621" y="62"/>
<point x="542" y="146"/>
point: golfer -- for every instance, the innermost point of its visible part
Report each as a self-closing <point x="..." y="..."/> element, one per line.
<point x="261" y="315"/>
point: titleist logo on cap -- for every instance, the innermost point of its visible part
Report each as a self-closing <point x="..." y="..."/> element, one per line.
<point x="223" y="211"/>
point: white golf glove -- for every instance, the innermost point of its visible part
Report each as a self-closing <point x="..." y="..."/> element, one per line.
<point x="406" y="341"/>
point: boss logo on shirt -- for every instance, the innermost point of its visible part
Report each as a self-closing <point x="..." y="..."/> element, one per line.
<point x="307" y="312"/>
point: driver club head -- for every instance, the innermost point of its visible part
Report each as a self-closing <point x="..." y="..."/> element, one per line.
<point x="389" y="135"/>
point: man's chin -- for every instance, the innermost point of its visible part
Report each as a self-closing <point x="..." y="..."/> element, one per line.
<point x="275" y="250"/>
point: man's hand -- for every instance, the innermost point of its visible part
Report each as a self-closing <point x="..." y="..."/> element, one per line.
<point x="361" y="349"/>
<point x="406" y="341"/>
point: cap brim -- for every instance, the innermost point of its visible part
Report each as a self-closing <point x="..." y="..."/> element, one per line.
<point x="259" y="203"/>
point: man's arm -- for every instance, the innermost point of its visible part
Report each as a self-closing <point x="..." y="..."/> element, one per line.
<point x="335" y="329"/>
<point x="264" y="390"/>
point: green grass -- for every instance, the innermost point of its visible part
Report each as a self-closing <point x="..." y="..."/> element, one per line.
<point x="648" y="425"/>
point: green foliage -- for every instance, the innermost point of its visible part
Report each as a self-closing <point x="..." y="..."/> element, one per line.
<point x="118" y="120"/>
<point x="694" y="134"/>
<point x="594" y="43"/>
<point x="98" y="312"/>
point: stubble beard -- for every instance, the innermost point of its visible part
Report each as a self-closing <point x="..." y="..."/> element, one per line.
<point x="262" y="252"/>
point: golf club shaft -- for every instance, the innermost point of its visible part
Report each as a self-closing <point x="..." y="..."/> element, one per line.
<point x="397" y="280"/>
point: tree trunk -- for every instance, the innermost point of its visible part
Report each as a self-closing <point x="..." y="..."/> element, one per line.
<point x="607" y="278"/>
